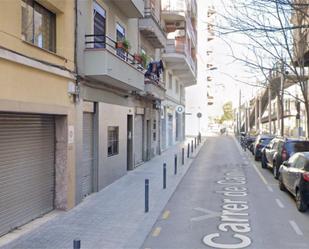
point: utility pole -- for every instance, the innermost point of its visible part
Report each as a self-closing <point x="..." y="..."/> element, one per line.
<point x="282" y="79"/>
<point x="269" y="109"/>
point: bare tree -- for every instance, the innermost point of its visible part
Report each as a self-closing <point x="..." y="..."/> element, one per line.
<point x="277" y="34"/>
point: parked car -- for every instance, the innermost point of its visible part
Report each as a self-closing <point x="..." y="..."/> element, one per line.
<point x="250" y="142"/>
<point x="279" y="150"/>
<point x="260" y="142"/>
<point x="294" y="177"/>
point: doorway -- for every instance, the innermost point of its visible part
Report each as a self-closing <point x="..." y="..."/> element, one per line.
<point x="129" y="142"/>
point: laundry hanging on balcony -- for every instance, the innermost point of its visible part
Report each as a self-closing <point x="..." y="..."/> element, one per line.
<point x="154" y="70"/>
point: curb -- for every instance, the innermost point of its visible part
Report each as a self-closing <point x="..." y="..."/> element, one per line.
<point x="143" y="231"/>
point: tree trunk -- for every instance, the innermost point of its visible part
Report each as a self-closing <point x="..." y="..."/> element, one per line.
<point x="307" y="119"/>
<point x="282" y="117"/>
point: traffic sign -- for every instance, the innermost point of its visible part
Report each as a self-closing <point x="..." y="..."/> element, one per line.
<point x="180" y="109"/>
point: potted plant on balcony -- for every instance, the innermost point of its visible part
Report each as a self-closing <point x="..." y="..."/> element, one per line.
<point x="144" y="59"/>
<point x="123" y="44"/>
<point x="138" y="58"/>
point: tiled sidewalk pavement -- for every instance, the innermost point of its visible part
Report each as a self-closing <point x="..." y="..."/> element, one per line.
<point x="113" y="218"/>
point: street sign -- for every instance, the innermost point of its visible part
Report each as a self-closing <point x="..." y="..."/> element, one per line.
<point x="180" y="109"/>
<point x="199" y="114"/>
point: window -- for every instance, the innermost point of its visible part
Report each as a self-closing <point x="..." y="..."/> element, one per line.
<point x="99" y="28"/>
<point x="176" y="86"/>
<point x="300" y="162"/>
<point x="120" y="32"/>
<point x="120" y="36"/>
<point x="154" y="127"/>
<point x="170" y="81"/>
<point x="113" y="140"/>
<point x="38" y="25"/>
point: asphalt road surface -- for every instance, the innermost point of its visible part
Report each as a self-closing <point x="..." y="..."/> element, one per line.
<point x="227" y="200"/>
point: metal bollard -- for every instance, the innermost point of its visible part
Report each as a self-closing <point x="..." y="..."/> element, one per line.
<point x="191" y="146"/>
<point x="195" y="143"/>
<point x="76" y="244"/>
<point x="164" y="175"/>
<point x="175" y="168"/>
<point x="188" y="152"/>
<point x="146" y="195"/>
<point x="183" y="156"/>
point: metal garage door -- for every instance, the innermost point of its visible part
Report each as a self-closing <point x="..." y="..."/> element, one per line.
<point x="27" y="152"/>
<point x="138" y="139"/>
<point x="87" y="182"/>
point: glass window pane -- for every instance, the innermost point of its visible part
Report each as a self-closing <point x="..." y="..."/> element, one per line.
<point x="27" y="20"/>
<point x="44" y="35"/>
<point x="113" y="134"/>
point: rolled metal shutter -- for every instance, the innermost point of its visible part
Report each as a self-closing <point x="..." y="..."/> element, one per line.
<point x="138" y="139"/>
<point x="27" y="168"/>
<point x="87" y="182"/>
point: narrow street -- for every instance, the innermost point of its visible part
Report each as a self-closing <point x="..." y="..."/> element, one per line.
<point x="226" y="200"/>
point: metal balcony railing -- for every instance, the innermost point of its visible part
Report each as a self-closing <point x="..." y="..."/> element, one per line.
<point x="101" y="41"/>
<point x="179" y="45"/>
<point x="104" y="42"/>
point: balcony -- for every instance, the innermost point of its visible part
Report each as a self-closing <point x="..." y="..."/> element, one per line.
<point x="104" y="62"/>
<point x="178" y="58"/>
<point x="131" y="8"/>
<point x="154" y="89"/>
<point x="151" y="29"/>
<point x="173" y="10"/>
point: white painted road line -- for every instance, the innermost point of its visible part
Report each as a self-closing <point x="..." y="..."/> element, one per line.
<point x="296" y="227"/>
<point x="260" y="174"/>
<point x="280" y="204"/>
<point x="270" y="189"/>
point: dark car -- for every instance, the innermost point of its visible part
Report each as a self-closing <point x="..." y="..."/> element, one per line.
<point x="294" y="177"/>
<point x="279" y="150"/>
<point x="260" y="142"/>
<point x="250" y="142"/>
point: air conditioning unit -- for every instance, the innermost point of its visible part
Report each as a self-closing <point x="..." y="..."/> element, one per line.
<point x="180" y="25"/>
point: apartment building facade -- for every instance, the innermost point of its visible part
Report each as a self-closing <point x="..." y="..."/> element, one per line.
<point x="37" y="149"/>
<point x="84" y="98"/>
<point x="179" y="19"/>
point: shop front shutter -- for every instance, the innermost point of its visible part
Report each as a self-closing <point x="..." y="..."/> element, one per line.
<point x="138" y="139"/>
<point x="27" y="168"/>
<point x="87" y="182"/>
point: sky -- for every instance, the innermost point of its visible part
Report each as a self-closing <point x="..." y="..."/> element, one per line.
<point x="229" y="75"/>
<point x="228" y="79"/>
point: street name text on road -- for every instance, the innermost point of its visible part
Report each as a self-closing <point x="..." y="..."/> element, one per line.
<point x="234" y="216"/>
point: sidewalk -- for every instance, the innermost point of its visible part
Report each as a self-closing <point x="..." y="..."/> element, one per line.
<point x="113" y="218"/>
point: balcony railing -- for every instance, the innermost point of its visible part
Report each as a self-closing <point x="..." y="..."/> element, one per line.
<point x="101" y="41"/>
<point x="179" y="45"/>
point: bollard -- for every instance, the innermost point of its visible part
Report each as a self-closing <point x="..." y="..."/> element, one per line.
<point x="175" y="168"/>
<point x="164" y="175"/>
<point x="191" y="146"/>
<point x="76" y="244"/>
<point x="195" y="143"/>
<point x="183" y="156"/>
<point x="188" y="152"/>
<point x="146" y="195"/>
